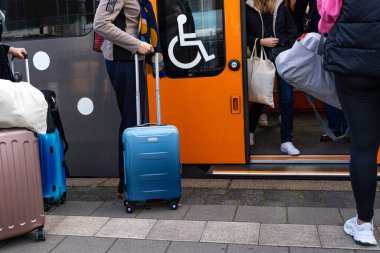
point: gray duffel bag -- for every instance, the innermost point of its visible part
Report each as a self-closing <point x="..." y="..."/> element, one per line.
<point x="301" y="66"/>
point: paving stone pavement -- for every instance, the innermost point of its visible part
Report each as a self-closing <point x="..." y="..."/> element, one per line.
<point x="202" y="226"/>
<point x="79" y="244"/>
<point x="308" y="215"/>
<point x="282" y="235"/>
<point x="240" y="197"/>
<point x="140" y="246"/>
<point x="211" y="212"/>
<point x="261" y="214"/>
<point x="280" y="184"/>
<point x="256" y="214"/>
<point x="215" y="219"/>
<point x="289" y="235"/>
<point x="231" y="232"/>
<point x="126" y="228"/>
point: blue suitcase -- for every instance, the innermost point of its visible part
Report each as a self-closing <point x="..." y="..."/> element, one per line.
<point x="152" y="164"/>
<point x="53" y="168"/>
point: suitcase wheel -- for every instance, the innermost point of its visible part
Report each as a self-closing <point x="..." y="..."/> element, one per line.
<point x="62" y="200"/>
<point x="47" y="207"/>
<point x="173" y="205"/>
<point x="130" y="209"/>
<point x="40" y="235"/>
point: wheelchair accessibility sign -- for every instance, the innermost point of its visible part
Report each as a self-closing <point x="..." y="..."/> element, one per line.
<point x="184" y="41"/>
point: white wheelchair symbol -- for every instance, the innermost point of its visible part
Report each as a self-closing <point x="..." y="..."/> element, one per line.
<point x="182" y="19"/>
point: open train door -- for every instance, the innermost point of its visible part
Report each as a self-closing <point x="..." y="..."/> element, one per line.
<point x="203" y="92"/>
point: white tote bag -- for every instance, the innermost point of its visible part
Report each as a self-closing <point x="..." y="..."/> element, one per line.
<point x="261" y="75"/>
<point x="22" y="105"/>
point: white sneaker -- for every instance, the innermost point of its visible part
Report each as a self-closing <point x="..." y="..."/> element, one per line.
<point x="251" y="139"/>
<point x="263" y="120"/>
<point x="362" y="234"/>
<point x="287" y="147"/>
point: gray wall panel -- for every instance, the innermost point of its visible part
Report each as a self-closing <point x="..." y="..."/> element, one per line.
<point x="75" y="72"/>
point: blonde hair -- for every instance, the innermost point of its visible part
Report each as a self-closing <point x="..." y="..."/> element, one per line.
<point x="265" y="6"/>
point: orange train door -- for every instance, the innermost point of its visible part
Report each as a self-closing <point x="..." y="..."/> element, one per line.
<point x="203" y="92"/>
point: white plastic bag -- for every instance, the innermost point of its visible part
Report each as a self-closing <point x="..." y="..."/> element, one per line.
<point x="22" y="105"/>
<point x="261" y="75"/>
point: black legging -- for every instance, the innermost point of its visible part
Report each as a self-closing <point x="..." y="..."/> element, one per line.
<point x="254" y="114"/>
<point x="360" y="99"/>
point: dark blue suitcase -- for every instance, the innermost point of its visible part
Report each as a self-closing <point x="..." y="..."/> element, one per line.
<point x="53" y="171"/>
<point x="152" y="164"/>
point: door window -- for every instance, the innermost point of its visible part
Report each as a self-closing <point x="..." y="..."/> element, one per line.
<point x="39" y="19"/>
<point x="192" y="37"/>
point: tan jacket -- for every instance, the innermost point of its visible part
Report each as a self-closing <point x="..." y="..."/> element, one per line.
<point x="109" y="23"/>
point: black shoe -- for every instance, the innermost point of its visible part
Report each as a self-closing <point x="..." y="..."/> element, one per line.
<point x="326" y="138"/>
<point x="120" y="188"/>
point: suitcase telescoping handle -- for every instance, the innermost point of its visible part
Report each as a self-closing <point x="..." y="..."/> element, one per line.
<point x="26" y="66"/>
<point x="158" y="97"/>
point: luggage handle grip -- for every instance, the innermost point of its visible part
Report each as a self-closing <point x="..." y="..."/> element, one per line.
<point x="151" y="124"/>
<point x="26" y="66"/>
<point x="158" y="97"/>
<point x="24" y="54"/>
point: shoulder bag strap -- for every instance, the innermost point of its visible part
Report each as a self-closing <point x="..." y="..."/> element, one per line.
<point x="322" y="123"/>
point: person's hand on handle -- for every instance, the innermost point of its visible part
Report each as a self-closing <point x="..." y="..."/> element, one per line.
<point x="269" y="42"/>
<point x="17" y="52"/>
<point x="145" y="48"/>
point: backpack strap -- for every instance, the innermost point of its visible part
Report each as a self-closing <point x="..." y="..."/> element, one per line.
<point x="57" y="122"/>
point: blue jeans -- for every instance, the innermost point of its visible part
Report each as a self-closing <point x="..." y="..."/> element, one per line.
<point x="287" y="110"/>
<point x="336" y="119"/>
<point x="122" y="76"/>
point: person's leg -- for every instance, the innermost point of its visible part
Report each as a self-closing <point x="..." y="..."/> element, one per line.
<point x="287" y="117"/>
<point x="336" y="121"/>
<point x="263" y="119"/>
<point x="122" y="77"/>
<point x="332" y="114"/>
<point x="254" y="114"/>
<point x="343" y="121"/>
<point x="287" y="110"/>
<point x="336" y="118"/>
<point x="360" y="99"/>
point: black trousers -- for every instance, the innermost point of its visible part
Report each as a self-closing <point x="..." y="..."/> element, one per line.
<point x="360" y="99"/>
<point x="122" y="76"/>
<point x="254" y="114"/>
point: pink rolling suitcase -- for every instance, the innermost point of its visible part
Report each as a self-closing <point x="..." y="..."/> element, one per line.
<point x="21" y="201"/>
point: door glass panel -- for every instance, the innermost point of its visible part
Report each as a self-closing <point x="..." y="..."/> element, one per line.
<point x="192" y="37"/>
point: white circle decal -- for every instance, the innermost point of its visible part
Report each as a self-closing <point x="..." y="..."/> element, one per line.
<point x="85" y="106"/>
<point x="41" y="60"/>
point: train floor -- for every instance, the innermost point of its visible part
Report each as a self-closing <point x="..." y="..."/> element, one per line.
<point x="214" y="216"/>
<point x="306" y="137"/>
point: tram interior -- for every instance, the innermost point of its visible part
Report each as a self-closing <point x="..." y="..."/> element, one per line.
<point x="306" y="132"/>
<point x="306" y="137"/>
